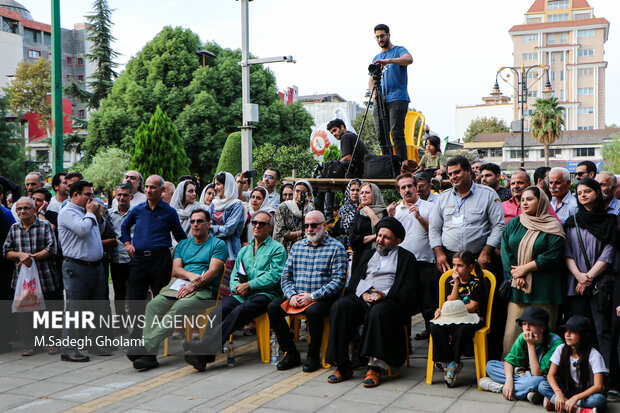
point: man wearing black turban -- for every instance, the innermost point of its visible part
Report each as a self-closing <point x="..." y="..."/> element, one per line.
<point x="380" y="296"/>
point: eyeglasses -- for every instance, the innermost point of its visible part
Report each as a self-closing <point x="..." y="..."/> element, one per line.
<point x="122" y="195"/>
<point x="133" y="178"/>
<point x="580" y="173"/>
<point x="260" y="224"/>
<point x="268" y="176"/>
<point x="87" y="194"/>
<point x="26" y="208"/>
<point x="380" y="36"/>
<point x="197" y="221"/>
<point x="313" y="225"/>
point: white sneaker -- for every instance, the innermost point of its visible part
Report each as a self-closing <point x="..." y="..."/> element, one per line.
<point x="534" y="397"/>
<point x="487" y="384"/>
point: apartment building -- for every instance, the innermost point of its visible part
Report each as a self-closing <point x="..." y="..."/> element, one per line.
<point x="570" y="39"/>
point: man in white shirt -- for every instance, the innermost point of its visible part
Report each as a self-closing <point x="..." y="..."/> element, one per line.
<point x="59" y="183"/>
<point x="413" y="212"/>
<point x="563" y="202"/>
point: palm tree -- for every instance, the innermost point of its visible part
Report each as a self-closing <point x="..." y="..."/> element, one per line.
<point x="547" y="123"/>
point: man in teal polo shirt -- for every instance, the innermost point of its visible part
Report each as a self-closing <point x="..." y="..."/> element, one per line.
<point x="196" y="270"/>
<point x="254" y="281"/>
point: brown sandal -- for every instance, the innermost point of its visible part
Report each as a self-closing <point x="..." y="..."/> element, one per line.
<point x="337" y="376"/>
<point x="372" y="379"/>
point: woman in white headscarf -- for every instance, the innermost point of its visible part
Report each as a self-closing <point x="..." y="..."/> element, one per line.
<point x="227" y="220"/>
<point x="256" y="204"/>
<point x="184" y="201"/>
<point x="207" y="195"/>
<point x="288" y="219"/>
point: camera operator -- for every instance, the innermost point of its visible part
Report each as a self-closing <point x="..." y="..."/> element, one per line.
<point x="349" y="152"/>
<point x="394" y="61"/>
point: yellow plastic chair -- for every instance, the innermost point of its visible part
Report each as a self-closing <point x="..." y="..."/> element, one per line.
<point x="481" y="353"/>
<point x="262" y="337"/>
<point x="296" y="320"/>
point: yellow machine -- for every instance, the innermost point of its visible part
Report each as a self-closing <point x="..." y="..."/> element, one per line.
<point x="412" y="139"/>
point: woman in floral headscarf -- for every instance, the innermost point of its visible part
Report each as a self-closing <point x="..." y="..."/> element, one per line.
<point x="350" y="204"/>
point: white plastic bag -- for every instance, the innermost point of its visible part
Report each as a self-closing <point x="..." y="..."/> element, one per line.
<point x="28" y="294"/>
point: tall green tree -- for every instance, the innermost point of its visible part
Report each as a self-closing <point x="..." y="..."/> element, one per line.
<point x="203" y="102"/>
<point x="159" y="149"/>
<point x="101" y="54"/>
<point x="547" y="123"/>
<point x="11" y="146"/>
<point x="611" y="154"/>
<point x="107" y="169"/>
<point x="230" y="159"/>
<point x="484" y="125"/>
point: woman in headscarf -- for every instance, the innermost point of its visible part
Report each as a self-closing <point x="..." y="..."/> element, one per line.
<point x="289" y="215"/>
<point x="227" y="221"/>
<point x="371" y="209"/>
<point x="184" y="201"/>
<point x="207" y="195"/>
<point x="256" y="204"/>
<point x="286" y="192"/>
<point x="350" y="204"/>
<point x="592" y="261"/>
<point x="532" y="247"/>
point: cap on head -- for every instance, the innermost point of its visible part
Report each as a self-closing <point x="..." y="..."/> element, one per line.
<point x="534" y="315"/>
<point x="578" y="324"/>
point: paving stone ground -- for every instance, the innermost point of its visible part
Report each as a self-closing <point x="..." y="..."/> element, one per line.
<point x="110" y="384"/>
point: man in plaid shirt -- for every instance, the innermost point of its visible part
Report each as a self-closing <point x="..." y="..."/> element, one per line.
<point x="32" y="242"/>
<point x="312" y="279"/>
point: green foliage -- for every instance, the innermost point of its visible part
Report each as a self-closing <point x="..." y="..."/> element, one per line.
<point x="159" y="149"/>
<point x="11" y="147"/>
<point x="390" y="195"/>
<point x="29" y="88"/>
<point x="203" y="102"/>
<point x="285" y="158"/>
<point x="484" y="125"/>
<point x="107" y="168"/>
<point x="332" y="153"/>
<point x="368" y="134"/>
<point x="547" y="123"/>
<point x="611" y="154"/>
<point x="230" y="159"/>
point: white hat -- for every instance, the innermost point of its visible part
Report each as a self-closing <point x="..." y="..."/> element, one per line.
<point x="455" y="312"/>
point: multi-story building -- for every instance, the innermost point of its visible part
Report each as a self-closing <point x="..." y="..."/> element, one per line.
<point x="566" y="36"/>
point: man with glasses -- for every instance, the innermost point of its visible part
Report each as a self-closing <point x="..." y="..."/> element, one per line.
<point x="585" y="169"/>
<point x="394" y="61"/>
<point x="254" y="282"/>
<point x="312" y="279"/>
<point x="79" y="230"/>
<point x="563" y="202"/>
<point x="135" y="179"/>
<point x="196" y="272"/>
<point x="271" y="179"/>
<point x="424" y="188"/>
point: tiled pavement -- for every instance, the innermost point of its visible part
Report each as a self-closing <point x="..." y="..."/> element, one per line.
<point x="110" y="384"/>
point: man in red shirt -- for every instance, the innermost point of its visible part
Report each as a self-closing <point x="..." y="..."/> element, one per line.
<point x="519" y="181"/>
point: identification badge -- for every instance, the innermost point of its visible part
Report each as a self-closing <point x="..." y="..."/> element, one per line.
<point x="457" y="219"/>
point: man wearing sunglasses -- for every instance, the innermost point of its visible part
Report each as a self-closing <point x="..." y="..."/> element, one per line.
<point x="254" y="282"/>
<point x="270" y="181"/>
<point x="585" y="169"/>
<point x="312" y="279"/>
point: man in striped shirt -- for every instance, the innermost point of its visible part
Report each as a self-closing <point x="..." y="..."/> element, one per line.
<point x="312" y="279"/>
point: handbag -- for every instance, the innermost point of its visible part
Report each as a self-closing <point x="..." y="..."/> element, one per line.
<point x="601" y="289"/>
<point x="334" y="169"/>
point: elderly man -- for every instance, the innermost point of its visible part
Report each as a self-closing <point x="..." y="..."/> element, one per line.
<point x="31" y="241"/>
<point x="196" y="272"/>
<point x="519" y="181"/>
<point x="490" y="175"/>
<point x="168" y="192"/>
<point x="424" y="188"/>
<point x="136" y="180"/>
<point x="475" y="167"/>
<point x="34" y="180"/>
<point x="609" y="183"/>
<point x="467" y="216"/>
<point x="59" y="184"/>
<point x="149" y="246"/>
<point x="270" y="181"/>
<point x="585" y="169"/>
<point x="254" y="281"/>
<point x="563" y="201"/>
<point x="79" y="230"/>
<point x="413" y="213"/>
<point x="312" y="279"/>
<point x="380" y="297"/>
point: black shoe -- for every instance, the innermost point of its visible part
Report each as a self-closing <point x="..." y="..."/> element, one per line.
<point x="313" y="362"/>
<point x="199" y="362"/>
<point x="290" y="360"/>
<point x="101" y="350"/>
<point x="74" y="356"/>
<point x="145" y="363"/>
<point x="134" y="353"/>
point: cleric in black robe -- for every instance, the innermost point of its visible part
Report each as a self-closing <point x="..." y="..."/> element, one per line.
<point x="380" y="296"/>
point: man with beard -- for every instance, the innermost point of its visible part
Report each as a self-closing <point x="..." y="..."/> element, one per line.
<point x="541" y="179"/>
<point x="609" y="183"/>
<point x="380" y="297"/>
<point x="352" y="149"/>
<point x="312" y="279"/>
<point x="585" y="169"/>
<point x="564" y="203"/>
<point x="519" y="181"/>
<point x="59" y="184"/>
<point x="475" y="167"/>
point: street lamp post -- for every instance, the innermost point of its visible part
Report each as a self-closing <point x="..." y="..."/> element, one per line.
<point x="521" y="89"/>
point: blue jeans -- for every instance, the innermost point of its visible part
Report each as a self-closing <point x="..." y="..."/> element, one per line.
<point x="597" y="400"/>
<point x="523" y="384"/>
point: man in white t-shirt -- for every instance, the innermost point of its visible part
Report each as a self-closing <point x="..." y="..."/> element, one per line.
<point x="413" y="212"/>
<point x="59" y="183"/>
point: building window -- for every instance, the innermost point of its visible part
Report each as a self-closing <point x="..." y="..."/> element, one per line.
<point x="582" y="16"/>
<point x="552" y="76"/>
<point x="585" y="110"/>
<point x="530" y="56"/>
<point x="81" y="113"/>
<point x="554" y="38"/>
<point x="69" y="61"/>
<point x="585" y="33"/>
<point x="585" y="91"/>
<point x="584" y="151"/>
<point x="585" y="52"/>
<point x="496" y="153"/>
<point x="586" y="71"/>
<point x="586" y="128"/>
<point x="561" y="94"/>
<point x="517" y="154"/>
<point x="561" y="75"/>
<point x="47" y="39"/>
<point x="80" y="61"/>
<point x="557" y="56"/>
<point x="33" y="36"/>
<point x="553" y="153"/>
<point x="34" y="54"/>
<point x="534" y="20"/>
<point x="557" y="5"/>
<point x="80" y="78"/>
<point x="561" y="17"/>
<point x="532" y="93"/>
<point x="533" y="74"/>
<point x="9" y="25"/>
<point x="530" y="38"/>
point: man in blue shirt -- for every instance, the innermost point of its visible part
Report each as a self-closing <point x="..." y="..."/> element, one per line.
<point x="149" y="248"/>
<point x="394" y="61"/>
